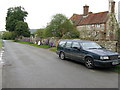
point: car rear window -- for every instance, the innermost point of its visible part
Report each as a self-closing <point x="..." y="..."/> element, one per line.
<point x="62" y="43"/>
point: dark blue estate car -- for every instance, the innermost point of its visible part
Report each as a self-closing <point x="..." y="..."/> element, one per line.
<point x="87" y="52"/>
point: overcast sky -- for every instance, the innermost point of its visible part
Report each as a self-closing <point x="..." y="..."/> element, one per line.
<point x="41" y="11"/>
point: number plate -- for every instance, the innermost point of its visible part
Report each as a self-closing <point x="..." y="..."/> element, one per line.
<point x="115" y="63"/>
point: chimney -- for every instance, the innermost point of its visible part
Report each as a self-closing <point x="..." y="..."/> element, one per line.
<point x="86" y="10"/>
<point x="111" y="6"/>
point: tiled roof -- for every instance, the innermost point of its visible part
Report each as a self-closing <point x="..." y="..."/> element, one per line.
<point x="76" y="19"/>
<point x="93" y="18"/>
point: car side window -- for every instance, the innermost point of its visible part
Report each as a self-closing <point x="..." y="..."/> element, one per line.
<point x="68" y="44"/>
<point x="76" y="44"/>
<point x="62" y="43"/>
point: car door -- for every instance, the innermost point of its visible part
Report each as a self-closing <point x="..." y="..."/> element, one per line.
<point x="76" y="51"/>
<point x="68" y="49"/>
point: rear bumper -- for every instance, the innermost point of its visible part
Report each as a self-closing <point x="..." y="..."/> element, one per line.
<point x="107" y="63"/>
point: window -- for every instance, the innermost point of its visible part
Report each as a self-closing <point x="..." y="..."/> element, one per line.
<point x="90" y="45"/>
<point x="68" y="44"/>
<point x="98" y="25"/>
<point x="62" y="43"/>
<point x="75" y="44"/>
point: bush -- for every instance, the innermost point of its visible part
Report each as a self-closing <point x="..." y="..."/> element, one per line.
<point x="66" y="36"/>
<point x="73" y="34"/>
<point x="16" y="40"/>
<point x="8" y="35"/>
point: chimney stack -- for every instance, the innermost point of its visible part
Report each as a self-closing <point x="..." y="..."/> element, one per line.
<point x="111" y="6"/>
<point x="86" y="10"/>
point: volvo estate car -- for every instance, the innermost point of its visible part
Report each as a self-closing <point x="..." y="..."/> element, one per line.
<point x="88" y="52"/>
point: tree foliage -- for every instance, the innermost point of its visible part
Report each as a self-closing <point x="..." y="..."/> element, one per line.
<point x="59" y="26"/>
<point x="40" y="33"/>
<point x="15" y="21"/>
<point x="15" y="14"/>
<point x="21" y="29"/>
<point x="8" y="35"/>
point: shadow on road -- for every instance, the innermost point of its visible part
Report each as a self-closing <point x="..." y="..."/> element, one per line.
<point x="101" y="69"/>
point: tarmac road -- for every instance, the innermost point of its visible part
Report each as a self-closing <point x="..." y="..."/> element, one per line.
<point x="32" y="67"/>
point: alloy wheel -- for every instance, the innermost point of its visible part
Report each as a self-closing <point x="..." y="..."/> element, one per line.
<point x="89" y="63"/>
<point x="62" y="56"/>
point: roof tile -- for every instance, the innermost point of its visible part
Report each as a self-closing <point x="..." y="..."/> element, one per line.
<point x="93" y="18"/>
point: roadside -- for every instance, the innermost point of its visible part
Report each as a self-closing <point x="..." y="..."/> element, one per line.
<point x="1" y="53"/>
<point x="29" y="43"/>
<point x="0" y="43"/>
<point x="53" y="49"/>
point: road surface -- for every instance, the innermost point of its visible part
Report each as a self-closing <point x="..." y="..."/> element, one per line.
<point x="32" y="67"/>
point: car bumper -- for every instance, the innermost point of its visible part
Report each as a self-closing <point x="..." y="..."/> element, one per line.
<point x="107" y="63"/>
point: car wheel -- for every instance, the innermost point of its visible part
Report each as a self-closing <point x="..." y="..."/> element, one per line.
<point x="89" y="63"/>
<point x="62" y="55"/>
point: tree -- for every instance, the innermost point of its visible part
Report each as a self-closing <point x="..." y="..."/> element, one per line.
<point x="40" y="33"/>
<point x="8" y="35"/>
<point x="15" y="21"/>
<point x="59" y="26"/>
<point x="15" y="14"/>
<point x="21" y="29"/>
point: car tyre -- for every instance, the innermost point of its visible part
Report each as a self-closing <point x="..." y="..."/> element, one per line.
<point x="62" y="56"/>
<point x="89" y="63"/>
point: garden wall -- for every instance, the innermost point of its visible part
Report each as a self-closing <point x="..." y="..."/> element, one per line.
<point x="53" y="41"/>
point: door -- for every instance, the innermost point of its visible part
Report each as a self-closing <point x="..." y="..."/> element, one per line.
<point x="68" y="49"/>
<point x="76" y="51"/>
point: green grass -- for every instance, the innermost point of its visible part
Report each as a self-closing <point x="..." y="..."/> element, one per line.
<point x="23" y="42"/>
<point x="41" y="46"/>
<point x="0" y="43"/>
<point x="53" y="49"/>
<point x="29" y="43"/>
<point x="117" y="69"/>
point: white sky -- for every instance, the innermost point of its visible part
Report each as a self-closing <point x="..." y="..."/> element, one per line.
<point x="41" y="11"/>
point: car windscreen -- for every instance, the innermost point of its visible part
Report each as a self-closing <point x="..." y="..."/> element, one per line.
<point x="62" y="43"/>
<point x="90" y="45"/>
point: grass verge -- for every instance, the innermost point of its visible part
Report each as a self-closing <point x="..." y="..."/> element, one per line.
<point x="117" y="69"/>
<point x="53" y="49"/>
<point x="0" y="43"/>
<point x="29" y="43"/>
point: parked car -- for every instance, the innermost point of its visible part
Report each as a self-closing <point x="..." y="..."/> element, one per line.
<point x="88" y="52"/>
